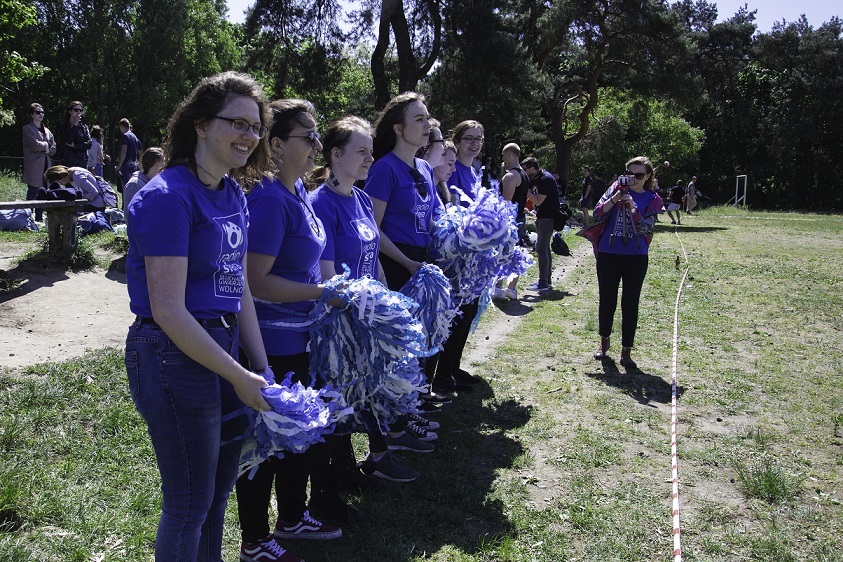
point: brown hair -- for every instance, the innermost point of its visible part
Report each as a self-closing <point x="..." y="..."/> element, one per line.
<point x="644" y="161"/>
<point x="150" y="156"/>
<point x="206" y="100"/>
<point x="337" y="135"/>
<point x="460" y="129"/>
<point x="56" y="173"/>
<point x="393" y="114"/>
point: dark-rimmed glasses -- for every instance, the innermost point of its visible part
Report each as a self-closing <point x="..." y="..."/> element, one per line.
<point x="421" y="187"/>
<point x="472" y="140"/>
<point x="638" y="175"/>
<point x="241" y="126"/>
<point x="311" y="136"/>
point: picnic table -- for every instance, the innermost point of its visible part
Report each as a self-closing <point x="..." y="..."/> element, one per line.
<point x="61" y="221"/>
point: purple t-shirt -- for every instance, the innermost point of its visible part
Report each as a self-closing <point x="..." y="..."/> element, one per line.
<point x="618" y="245"/>
<point x="352" y="236"/>
<point x="176" y="215"/>
<point x="284" y="225"/>
<point x="408" y="215"/>
<point x="467" y="179"/>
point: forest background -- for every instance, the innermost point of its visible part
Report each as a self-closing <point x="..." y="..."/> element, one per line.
<point x="572" y="81"/>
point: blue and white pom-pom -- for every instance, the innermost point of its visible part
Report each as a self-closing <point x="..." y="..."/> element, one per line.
<point x="429" y="287"/>
<point x="300" y="416"/>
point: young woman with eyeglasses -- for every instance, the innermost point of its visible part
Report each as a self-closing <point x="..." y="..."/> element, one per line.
<point x="75" y="137"/>
<point x="38" y="145"/>
<point x="621" y="236"/>
<point x="186" y="278"/>
<point x="286" y="241"/>
<point x="465" y="183"/>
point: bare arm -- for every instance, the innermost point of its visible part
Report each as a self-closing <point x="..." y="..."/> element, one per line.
<point x="508" y="185"/>
<point x="536" y="198"/>
<point x="250" y="334"/>
<point x="166" y="279"/>
<point x="387" y="247"/>
<point x="273" y="288"/>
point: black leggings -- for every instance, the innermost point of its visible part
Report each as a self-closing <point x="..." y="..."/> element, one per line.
<point x="611" y="270"/>
<point x="289" y="473"/>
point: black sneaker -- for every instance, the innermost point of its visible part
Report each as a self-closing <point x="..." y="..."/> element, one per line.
<point x="428" y="408"/>
<point x="308" y="528"/>
<point x="461" y="375"/>
<point x="388" y="468"/>
<point x="266" y="550"/>
<point x="435" y="398"/>
<point x="420" y="433"/>
<point x="419" y="421"/>
<point x="451" y="385"/>
<point x="407" y="442"/>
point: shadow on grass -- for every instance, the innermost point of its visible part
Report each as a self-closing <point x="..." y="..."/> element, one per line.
<point x="643" y="387"/>
<point x="452" y="505"/>
<point x="513" y="307"/>
<point x="662" y="226"/>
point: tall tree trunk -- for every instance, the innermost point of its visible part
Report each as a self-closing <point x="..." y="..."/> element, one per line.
<point x="379" y="77"/>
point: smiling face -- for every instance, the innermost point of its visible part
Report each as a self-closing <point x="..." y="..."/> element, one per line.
<point x="297" y="155"/>
<point x="471" y="142"/>
<point x="354" y="159"/>
<point x="222" y="148"/>
<point x="415" y="129"/>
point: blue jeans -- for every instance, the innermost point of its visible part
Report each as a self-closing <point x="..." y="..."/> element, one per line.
<point x="31" y="192"/>
<point x="126" y="171"/>
<point x="182" y="404"/>
<point x="544" y="232"/>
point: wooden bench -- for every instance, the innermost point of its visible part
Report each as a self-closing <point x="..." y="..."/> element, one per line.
<point x="61" y="221"/>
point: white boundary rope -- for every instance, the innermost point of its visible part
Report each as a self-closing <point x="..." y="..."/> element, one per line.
<point x="674" y="457"/>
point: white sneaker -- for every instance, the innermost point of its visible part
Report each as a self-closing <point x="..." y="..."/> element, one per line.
<point x="498" y="293"/>
<point x="511" y="294"/>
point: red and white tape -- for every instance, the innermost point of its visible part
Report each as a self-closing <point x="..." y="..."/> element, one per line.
<point x="674" y="456"/>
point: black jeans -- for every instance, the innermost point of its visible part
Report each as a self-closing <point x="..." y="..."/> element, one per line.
<point x="449" y="359"/>
<point x="289" y="473"/>
<point x="611" y="270"/>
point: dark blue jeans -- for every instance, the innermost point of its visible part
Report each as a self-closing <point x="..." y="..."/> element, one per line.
<point x="183" y="403"/>
<point x="31" y="192"/>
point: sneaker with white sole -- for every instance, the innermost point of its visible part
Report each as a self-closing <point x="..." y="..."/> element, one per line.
<point x="266" y="550"/>
<point x="511" y="294"/>
<point x="407" y="442"/>
<point x="308" y="528"/>
<point x="419" y="421"/>
<point x="540" y="287"/>
<point x="420" y="433"/>
<point x="388" y="468"/>
<point x="498" y="293"/>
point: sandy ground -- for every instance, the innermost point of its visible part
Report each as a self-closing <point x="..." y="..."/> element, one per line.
<point x="57" y="315"/>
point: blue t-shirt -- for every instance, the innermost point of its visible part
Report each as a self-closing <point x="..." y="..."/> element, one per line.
<point x="626" y="247"/>
<point x="408" y="215"/>
<point x="285" y="226"/>
<point x="176" y="215"/>
<point x="352" y="236"/>
<point x="467" y="179"/>
<point x="132" y="145"/>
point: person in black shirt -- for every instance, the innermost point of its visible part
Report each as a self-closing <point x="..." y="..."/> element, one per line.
<point x="677" y="194"/>
<point x="544" y="194"/>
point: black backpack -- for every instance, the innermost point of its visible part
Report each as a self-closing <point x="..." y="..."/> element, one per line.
<point x="563" y="213"/>
<point x="558" y="245"/>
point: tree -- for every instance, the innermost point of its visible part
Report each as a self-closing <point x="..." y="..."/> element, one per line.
<point x="15" y="15"/>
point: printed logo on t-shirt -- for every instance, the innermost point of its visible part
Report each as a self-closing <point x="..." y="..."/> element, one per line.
<point x="420" y="211"/>
<point x="228" y="279"/>
<point x="368" y="249"/>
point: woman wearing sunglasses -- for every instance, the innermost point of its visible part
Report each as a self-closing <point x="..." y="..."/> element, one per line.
<point x="185" y="275"/>
<point x="75" y="137"/>
<point x="621" y="236"/>
<point x="286" y="240"/>
<point x="38" y="146"/>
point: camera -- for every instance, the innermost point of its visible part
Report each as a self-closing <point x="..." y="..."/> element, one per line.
<point x="623" y="182"/>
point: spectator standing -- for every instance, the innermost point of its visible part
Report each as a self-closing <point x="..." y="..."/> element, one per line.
<point x="74" y="137"/>
<point x="544" y="195"/>
<point x="38" y="146"/>
<point x="514" y="187"/>
<point x="130" y="149"/>
<point x="691" y="196"/>
<point x="96" y="156"/>
<point x="621" y="239"/>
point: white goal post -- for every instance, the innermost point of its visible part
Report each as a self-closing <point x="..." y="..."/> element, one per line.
<point x="740" y="198"/>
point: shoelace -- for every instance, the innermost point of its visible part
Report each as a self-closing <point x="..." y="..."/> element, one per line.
<point x="309" y="519"/>
<point x="417" y="420"/>
<point x="273" y="547"/>
<point x="416" y="431"/>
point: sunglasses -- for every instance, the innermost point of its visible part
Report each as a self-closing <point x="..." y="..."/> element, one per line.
<point x="241" y="126"/>
<point x="421" y="187"/>
<point x="39" y="111"/>
<point x="77" y="110"/>
<point x="638" y="176"/>
<point x="312" y="137"/>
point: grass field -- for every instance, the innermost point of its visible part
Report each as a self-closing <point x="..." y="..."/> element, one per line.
<point x="557" y="457"/>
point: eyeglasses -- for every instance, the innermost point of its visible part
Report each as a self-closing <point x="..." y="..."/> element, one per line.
<point x="437" y="140"/>
<point x="421" y="187"/>
<point x="638" y="176"/>
<point x="241" y="126"/>
<point x="77" y="110"/>
<point x="311" y="136"/>
<point x="39" y="111"/>
<point x="472" y="140"/>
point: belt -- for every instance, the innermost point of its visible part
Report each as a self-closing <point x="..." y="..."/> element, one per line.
<point x="225" y="321"/>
